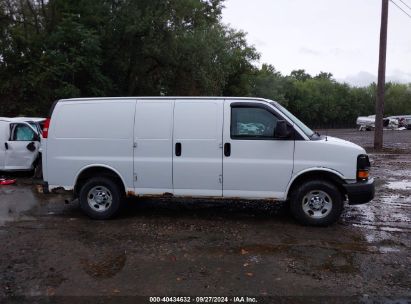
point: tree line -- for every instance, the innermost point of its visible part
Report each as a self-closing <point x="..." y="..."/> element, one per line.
<point x="83" y="48"/>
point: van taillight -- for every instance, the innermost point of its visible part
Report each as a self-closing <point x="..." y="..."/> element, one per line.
<point x="46" y="128"/>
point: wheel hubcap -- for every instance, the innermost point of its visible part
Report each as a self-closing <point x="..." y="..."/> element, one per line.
<point x="99" y="198"/>
<point x="317" y="204"/>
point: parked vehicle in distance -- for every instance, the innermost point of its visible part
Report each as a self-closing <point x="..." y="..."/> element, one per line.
<point x="366" y="123"/>
<point x="19" y="143"/>
<point x="104" y="149"/>
<point x="404" y="121"/>
<point x="398" y="122"/>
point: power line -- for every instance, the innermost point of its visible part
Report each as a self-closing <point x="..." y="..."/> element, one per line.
<point x="403" y="2"/>
<point x="401" y="8"/>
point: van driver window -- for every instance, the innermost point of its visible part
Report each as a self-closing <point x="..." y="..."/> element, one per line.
<point x="252" y="123"/>
<point x="22" y="133"/>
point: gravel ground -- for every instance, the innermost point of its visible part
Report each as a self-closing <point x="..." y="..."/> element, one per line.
<point x="192" y="248"/>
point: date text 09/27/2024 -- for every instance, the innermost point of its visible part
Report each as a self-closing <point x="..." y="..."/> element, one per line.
<point x="200" y="299"/>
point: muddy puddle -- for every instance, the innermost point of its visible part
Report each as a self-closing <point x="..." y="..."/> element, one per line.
<point x="106" y="266"/>
<point x="399" y="185"/>
<point x="14" y="202"/>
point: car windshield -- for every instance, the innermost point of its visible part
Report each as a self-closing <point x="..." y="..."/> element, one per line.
<point x="294" y="119"/>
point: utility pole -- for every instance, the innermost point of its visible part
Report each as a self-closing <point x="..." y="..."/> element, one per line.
<point x="379" y="105"/>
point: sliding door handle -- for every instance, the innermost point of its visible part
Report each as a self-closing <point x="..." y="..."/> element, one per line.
<point x="227" y="149"/>
<point x="178" y="149"/>
<point x="6" y="145"/>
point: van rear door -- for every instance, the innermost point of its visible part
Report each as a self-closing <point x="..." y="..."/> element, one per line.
<point x="197" y="147"/>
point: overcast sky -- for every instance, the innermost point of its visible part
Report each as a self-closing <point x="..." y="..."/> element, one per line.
<point x="336" y="36"/>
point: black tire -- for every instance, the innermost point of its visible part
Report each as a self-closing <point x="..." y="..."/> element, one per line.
<point x="312" y="189"/>
<point x="38" y="169"/>
<point x="114" y="192"/>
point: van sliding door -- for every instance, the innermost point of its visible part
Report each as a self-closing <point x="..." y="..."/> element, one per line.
<point x="153" y="146"/>
<point x="197" y="147"/>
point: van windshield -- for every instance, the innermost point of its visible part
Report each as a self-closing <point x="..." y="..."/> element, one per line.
<point x="294" y="119"/>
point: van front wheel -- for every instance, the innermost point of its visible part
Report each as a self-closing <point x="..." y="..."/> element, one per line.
<point x="317" y="203"/>
<point x="100" y="198"/>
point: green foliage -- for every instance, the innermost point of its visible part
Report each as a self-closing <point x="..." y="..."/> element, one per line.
<point x="59" y="49"/>
<point x="398" y="99"/>
<point x="300" y="75"/>
<point x="269" y="83"/>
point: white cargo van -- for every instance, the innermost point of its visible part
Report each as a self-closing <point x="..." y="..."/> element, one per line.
<point x="104" y="149"/>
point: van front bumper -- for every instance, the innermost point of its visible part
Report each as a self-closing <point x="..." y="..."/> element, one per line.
<point x="360" y="192"/>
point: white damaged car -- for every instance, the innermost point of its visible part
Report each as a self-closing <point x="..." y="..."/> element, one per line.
<point x="19" y="143"/>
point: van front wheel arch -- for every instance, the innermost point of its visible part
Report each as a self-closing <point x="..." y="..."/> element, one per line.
<point x="317" y="203"/>
<point x="100" y="198"/>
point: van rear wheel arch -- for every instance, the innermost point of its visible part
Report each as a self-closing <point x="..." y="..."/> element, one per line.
<point x="97" y="171"/>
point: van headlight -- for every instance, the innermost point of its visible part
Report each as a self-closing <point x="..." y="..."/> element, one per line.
<point x="363" y="167"/>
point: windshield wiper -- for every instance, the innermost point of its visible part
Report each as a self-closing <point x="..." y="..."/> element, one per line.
<point x="315" y="133"/>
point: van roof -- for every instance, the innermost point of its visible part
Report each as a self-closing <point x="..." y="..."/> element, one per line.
<point x="163" y="97"/>
<point x="156" y="97"/>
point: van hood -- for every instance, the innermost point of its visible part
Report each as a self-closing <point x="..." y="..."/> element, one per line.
<point x="343" y="143"/>
<point x="328" y="152"/>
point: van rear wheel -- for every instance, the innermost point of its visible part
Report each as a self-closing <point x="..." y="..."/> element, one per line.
<point x="317" y="203"/>
<point x="100" y="198"/>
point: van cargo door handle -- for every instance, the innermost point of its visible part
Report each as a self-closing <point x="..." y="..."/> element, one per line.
<point x="227" y="149"/>
<point x="6" y="145"/>
<point x="178" y="149"/>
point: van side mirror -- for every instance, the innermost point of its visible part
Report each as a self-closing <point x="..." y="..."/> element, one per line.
<point x="282" y="130"/>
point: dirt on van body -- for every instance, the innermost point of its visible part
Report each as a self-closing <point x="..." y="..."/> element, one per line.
<point x="205" y="248"/>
